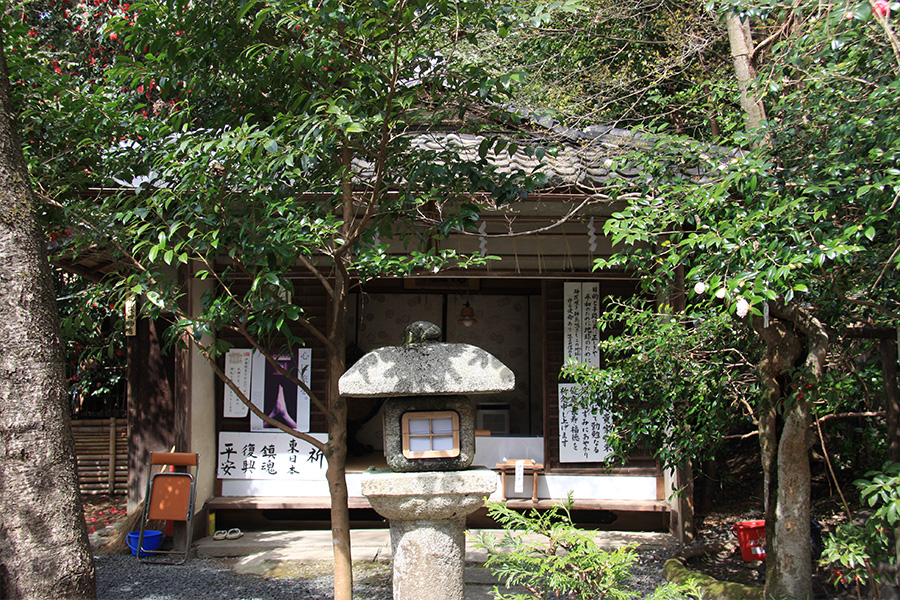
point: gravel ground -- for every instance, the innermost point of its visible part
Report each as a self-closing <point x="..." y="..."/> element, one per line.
<point x="122" y="577"/>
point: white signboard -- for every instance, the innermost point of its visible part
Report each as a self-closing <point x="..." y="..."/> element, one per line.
<point x="276" y="395"/>
<point x="590" y="333"/>
<point x="581" y="311"/>
<point x="573" y="321"/>
<point x="237" y="368"/>
<point x="243" y="455"/>
<point x="581" y="431"/>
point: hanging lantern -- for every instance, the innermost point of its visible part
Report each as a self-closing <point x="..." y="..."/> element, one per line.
<point x="467" y="315"/>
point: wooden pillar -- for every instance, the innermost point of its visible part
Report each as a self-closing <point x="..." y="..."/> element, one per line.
<point x="681" y="517"/>
<point x="150" y="410"/>
<point x="681" y="513"/>
<point x="888" y="349"/>
<point x="111" y="472"/>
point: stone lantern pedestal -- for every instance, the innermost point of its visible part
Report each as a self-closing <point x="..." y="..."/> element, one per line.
<point x="427" y="513"/>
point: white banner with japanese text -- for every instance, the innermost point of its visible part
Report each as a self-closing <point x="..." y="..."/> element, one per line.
<point x="276" y="455"/>
<point x="582" y="431"/>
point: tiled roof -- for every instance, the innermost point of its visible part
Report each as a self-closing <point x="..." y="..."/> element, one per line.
<point x="573" y="160"/>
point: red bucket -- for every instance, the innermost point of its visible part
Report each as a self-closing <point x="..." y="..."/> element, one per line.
<point x="751" y="536"/>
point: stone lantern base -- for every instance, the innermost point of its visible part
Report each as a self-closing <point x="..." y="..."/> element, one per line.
<point x="427" y="514"/>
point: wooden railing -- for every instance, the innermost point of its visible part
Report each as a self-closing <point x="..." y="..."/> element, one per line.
<point x="101" y="447"/>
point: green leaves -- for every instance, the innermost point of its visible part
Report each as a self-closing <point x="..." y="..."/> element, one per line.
<point x="859" y="550"/>
<point x="549" y="556"/>
<point x="257" y="142"/>
<point x="566" y="560"/>
<point x="673" y="383"/>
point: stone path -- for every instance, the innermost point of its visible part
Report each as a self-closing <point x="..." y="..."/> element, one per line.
<point x="275" y="553"/>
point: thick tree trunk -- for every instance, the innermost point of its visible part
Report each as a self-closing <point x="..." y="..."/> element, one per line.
<point x="44" y="549"/>
<point x="791" y="336"/>
<point x="793" y="576"/>
<point x="782" y="352"/>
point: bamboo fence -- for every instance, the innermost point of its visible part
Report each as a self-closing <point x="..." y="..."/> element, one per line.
<point x="101" y="448"/>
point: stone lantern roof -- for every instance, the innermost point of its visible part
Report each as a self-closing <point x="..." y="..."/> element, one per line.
<point x="423" y="367"/>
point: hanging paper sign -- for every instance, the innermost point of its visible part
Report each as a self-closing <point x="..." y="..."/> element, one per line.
<point x="582" y="431"/>
<point x="581" y="311"/>
<point x="237" y="369"/>
<point x="590" y="333"/>
<point x="276" y="395"/>
<point x="243" y="455"/>
<point x="572" y="321"/>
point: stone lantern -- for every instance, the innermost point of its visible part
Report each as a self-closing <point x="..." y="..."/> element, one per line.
<point x="429" y="445"/>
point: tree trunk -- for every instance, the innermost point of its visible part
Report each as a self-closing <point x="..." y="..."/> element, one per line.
<point x="791" y="336"/>
<point x="44" y="549"/>
<point x="792" y="559"/>
<point x="741" y="42"/>
<point x="782" y="352"/>
<point x="336" y="449"/>
<point x="340" y="513"/>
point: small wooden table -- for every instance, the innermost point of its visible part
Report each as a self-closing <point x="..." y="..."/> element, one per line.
<point x="529" y="466"/>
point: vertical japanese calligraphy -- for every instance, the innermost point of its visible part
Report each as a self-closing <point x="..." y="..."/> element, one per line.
<point x="268" y="456"/>
<point x="573" y="321"/>
<point x="581" y="431"/>
<point x="237" y="368"/>
<point x="590" y="333"/>
<point x="581" y="311"/>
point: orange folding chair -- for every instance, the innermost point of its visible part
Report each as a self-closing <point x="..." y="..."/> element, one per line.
<point x="170" y="497"/>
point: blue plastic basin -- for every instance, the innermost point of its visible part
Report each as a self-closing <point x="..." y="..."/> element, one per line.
<point x="152" y="540"/>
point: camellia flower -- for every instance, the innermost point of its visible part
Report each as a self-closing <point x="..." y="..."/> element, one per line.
<point x="699" y="287"/>
<point x="720" y="293"/>
<point x="742" y="307"/>
<point x="882" y="8"/>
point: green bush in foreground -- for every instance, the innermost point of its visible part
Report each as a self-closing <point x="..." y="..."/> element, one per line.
<point x="559" y="560"/>
<point x="867" y="552"/>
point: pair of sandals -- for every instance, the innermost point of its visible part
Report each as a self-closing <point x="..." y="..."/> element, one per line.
<point x="231" y="534"/>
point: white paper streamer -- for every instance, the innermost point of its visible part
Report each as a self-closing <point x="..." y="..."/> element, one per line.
<point x="592" y="235"/>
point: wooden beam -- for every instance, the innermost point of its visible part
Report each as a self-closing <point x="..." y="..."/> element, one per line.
<point x="277" y="502"/>
<point x="869" y="333"/>
<point x="290" y="502"/>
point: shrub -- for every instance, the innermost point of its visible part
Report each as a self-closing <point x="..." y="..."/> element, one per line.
<point x="552" y="558"/>
<point x="860" y="553"/>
